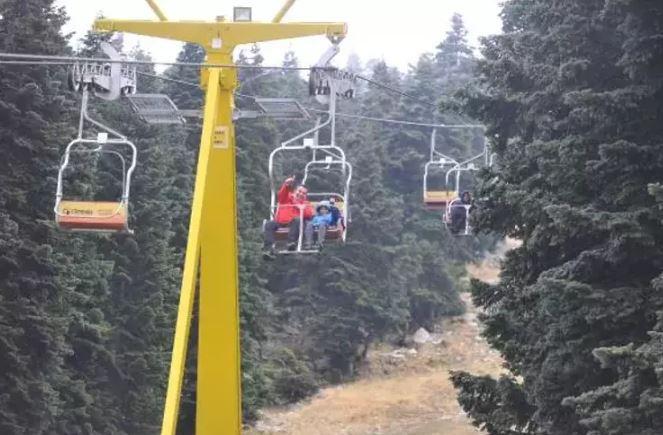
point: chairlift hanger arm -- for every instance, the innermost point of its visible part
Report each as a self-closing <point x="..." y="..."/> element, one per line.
<point x="329" y="151"/>
<point x="340" y="156"/>
<point x="471" y="159"/>
<point x="346" y="167"/>
<point x="449" y="160"/>
<point x="318" y="127"/>
<point x="99" y="125"/>
<point x="327" y="56"/>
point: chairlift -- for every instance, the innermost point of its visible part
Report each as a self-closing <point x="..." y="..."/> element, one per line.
<point x="111" y="216"/>
<point x="325" y="85"/>
<point x="326" y="158"/>
<point x="447" y="198"/>
<point x="456" y="215"/>
<point x="437" y="198"/>
<point x="457" y="218"/>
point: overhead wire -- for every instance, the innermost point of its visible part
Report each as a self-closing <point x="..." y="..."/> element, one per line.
<point x="43" y="59"/>
<point x="168" y="79"/>
<point x="396" y="91"/>
<point x="398" y="121"/>
<point x="38" y="58"/>
<point x="33" y="63"/>
<point x="32" y="59"/>
<point x="378" y="119"/>
<point x="339" y="114"/>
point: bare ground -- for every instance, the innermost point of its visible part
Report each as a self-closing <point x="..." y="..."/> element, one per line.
<point x="400" y="392"/>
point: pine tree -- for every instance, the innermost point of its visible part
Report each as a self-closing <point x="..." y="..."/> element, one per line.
<point x="633" y="403"/>
<point x="454" y="58"/>
<point x="576" y="137"/>
<point x="31" y="324"/>
<point x="86" y="321"/>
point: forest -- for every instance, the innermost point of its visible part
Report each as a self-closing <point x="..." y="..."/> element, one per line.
<point x="571" y="94"/>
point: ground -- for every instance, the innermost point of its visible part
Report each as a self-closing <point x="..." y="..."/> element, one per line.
<point x="399" y="391"/>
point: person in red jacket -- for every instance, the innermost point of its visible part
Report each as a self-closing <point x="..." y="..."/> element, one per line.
<point x="292" y="205"/>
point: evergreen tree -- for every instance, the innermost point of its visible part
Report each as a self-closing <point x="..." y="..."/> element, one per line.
<point x="86" y="321"/>
<point x="454" y="58"/>
<point x="574" y="117"/>
<point x="633" y="403"/>
<point x="31" y="324"/>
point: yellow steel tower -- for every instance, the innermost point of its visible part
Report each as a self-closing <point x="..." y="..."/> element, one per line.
<point x="211" y="255"/>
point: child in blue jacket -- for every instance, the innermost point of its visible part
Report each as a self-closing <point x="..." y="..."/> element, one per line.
<point x="321" y="221"/>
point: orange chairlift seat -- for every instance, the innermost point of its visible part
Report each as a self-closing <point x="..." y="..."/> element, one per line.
<point x="95" y="216"/>
<point x="438" y="199"/>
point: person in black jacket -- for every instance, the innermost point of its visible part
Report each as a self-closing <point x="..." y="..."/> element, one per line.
<point x="460" y="212"/>
<point x="335" y="212"/>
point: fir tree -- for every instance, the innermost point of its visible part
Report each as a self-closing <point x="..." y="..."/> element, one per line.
<point x="574" y="117"/>
<point x="86" y="321"/>
<point x="31" y="324"/>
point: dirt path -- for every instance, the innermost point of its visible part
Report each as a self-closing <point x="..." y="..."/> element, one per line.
<point x="400" y="391"/>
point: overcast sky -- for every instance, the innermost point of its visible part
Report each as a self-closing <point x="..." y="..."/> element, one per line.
<point x="396" y="31"/>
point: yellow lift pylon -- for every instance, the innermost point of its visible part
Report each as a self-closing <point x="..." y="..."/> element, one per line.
<point x="211" y="253"/>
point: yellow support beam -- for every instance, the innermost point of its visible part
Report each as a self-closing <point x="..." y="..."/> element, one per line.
<point x="157" y="10"/>
<point x="228" y="34"/>
<point x="211" y="256"/>
<point x="284" y="10"/>
<point x="191" y="268"/>
<point x="219" y="374"/>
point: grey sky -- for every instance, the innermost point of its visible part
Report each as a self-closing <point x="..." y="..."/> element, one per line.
<point x="395" y="31"/>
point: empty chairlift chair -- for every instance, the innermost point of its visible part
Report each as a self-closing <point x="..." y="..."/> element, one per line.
<point x="437" y="198"/>
<point x="93" y="215"/>
<point x="439" y="193"/>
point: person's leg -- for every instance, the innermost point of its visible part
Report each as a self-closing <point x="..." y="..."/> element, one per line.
<point x="268" y="234"/>
<point x="308" y="234"/>
<point x="466" y="220"/>
<point x="293" y="232"/>
<point x="457" y="219"/>
<point x="322" y="233"/>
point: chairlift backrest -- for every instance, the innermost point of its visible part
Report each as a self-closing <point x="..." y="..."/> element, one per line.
<point x="337" y="160"/>
<point x="437" y="197"/>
